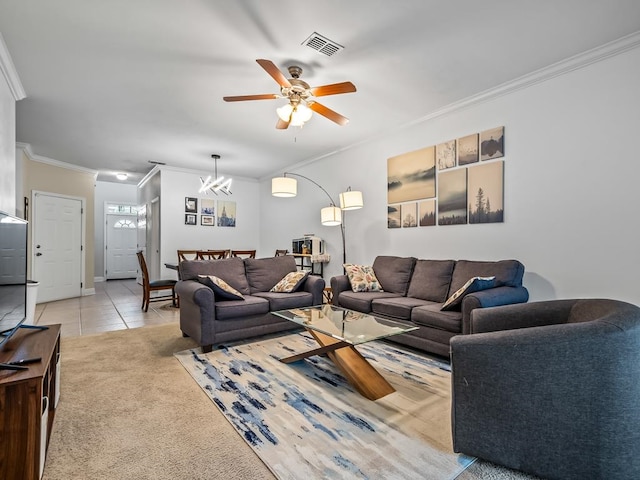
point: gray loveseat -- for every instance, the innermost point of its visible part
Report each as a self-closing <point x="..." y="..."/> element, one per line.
<point x="414" y="291"/>
<point x="210" y="320"/>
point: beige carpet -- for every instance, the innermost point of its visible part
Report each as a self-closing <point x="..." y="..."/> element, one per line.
<point x="129" y="410"/>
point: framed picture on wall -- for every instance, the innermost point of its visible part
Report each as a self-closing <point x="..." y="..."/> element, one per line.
<point x="446" y="155"/>
<point x="393" y="216"/>
<point x="411" y="176"/>
<point x="468" y="149"/>
<point x="427" y="213"/>
<point x="486" y="193"/>
<point x="409" y="214"/>
<point x="207" y="206"/>
<point x="190" y="205"/>
<point x="226" y="213"/>
<point x="492" y="144"/>
<point x="207" y="220"/>
<point x="190" y="219"/>
<point x="452" y="197"/>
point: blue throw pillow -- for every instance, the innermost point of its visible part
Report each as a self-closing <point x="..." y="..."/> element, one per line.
<point x="474" y="284"/>
<point x="221" y="289"/>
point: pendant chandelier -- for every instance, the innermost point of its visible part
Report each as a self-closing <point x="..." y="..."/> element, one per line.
<point x="215" y="183"/>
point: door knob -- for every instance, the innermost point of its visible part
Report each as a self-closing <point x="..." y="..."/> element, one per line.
<point x="38" y="254"/>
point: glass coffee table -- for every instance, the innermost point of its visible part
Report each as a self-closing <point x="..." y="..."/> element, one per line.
<point x="338" y="331"/>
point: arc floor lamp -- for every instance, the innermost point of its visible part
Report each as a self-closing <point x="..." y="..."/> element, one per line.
<point x="286" y="186"/>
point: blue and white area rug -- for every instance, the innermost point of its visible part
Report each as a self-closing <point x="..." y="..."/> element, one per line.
<point x="305" y="421"/>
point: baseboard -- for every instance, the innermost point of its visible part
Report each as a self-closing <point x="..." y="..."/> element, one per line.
<point x="88" y="291"/>
<point x="98" y="279"/>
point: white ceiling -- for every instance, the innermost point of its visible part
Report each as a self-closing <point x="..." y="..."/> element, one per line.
<point x="114" y="84"/>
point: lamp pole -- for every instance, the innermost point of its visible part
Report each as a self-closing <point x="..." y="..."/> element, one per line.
<point x="333" y="203"/>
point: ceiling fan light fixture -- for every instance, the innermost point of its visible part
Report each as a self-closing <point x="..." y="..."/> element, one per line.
<point x="296" y="116"/>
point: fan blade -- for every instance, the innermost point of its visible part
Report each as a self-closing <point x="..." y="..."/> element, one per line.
<point x="282" y="125"/>
<point x="333" y="89"/>
<point x="242" y="98"/>
<point x="327" y="112"/>
<point x="272" y="70"/>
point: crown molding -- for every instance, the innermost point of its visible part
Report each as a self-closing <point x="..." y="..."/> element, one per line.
<point x="10" y="73"/>
<point x="26" y="148"/>
<point x="568" y="65"/>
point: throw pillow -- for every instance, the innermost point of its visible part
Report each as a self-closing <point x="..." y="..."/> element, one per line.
<point x="290" y="282"/>
<point x="474" y="284"/>
<point x="362" y="278"/>
<point x="221" y="289"/>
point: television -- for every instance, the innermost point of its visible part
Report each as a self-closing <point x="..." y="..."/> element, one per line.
<point x="13" y="279"/>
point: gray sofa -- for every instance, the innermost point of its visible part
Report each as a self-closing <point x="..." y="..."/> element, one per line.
<point x="210" y="321"/>
<point x="414" y="291"/>
<point x="551" y="388"/>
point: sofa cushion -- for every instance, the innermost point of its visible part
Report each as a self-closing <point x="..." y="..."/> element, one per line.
<point x="475" y="284"/>
<point x="264" y="273"/>
<point x="361" y="301"/>
<point x="291" y="282"/>
<point x="285" y="301"/>
<point x="231" y="270"/>
<point x="232" y="309"/>
<point x="430" y="315"/>
<point x="431" y="280"/>
<point x="394" y="273"/>
<point x="362" y="278"/>
<point x="221" y="289"/>
<point x="397" y="307"/>
<point x="507" y="272"/>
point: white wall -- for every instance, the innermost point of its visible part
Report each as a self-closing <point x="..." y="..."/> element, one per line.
<point x="175" y="186"/>
<point x="108" y="192"/>
<point x="7" y="148"/>
<point x="571" y="176"/>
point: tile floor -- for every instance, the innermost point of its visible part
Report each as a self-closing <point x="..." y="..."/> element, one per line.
<point x="115" y="306"/>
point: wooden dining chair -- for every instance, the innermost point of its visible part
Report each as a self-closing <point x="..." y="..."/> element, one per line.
<point x="149" y="286"/>
<point x="213" y="254"/>
<point x="243" y="253"/>
<point x="187" y="255"/>
<point x="281" y="252"/>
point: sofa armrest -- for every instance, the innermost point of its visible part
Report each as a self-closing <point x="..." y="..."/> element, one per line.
<point x="492" y="297"/>
<point x="315" y="285"/>
<point x="197" y="311"/>
<point x="510" y="317"/>
<point x="339" y="283"/>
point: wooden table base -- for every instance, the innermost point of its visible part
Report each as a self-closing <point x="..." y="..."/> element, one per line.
<point x="360" y="373"/>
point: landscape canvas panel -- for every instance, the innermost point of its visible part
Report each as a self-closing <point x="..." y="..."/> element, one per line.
<point x="452" y="197"/>
<point x="468" y="149"/>
<point x="446" y="155"/>
<point x="492" y="144"/>
<point x="486" y="193"/>
<point x="409" y="214"/>
<point x="393" y="216"/>
<point x="427" y="213"/>
<point x="226" y="213"/>
<point x="411" y="176"/>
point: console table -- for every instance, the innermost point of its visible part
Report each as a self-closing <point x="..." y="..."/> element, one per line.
<point x="28" y="401"/>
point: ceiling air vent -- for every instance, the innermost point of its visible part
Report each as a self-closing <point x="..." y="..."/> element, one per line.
<point x="322" y="44"/>
<point x="153" y="162"/>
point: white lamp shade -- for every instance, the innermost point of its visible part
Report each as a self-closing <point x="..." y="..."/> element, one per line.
<point x="301" y="114"/>
<point x="351" y="200"/>
<point x="331" y="216"/>
<point x="284" y="187"/>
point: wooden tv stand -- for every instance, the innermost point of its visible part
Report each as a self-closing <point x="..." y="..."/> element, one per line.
<point x="28" y="401"/>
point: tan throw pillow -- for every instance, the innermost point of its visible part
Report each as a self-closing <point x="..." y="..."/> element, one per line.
<point x="290" y="282"/>
<point x="362" y="278"/>
<point x="474" y="284"/>
<point x="221" y="289"/>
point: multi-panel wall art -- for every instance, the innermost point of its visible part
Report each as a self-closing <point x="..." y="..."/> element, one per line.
<point x="456" y="182"/>
<point x="225" y="212"/>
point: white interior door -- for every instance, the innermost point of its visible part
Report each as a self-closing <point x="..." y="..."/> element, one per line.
<point x="121" y="246"/>
<point x="153" y="248"/>
<point x="57" y="246"/>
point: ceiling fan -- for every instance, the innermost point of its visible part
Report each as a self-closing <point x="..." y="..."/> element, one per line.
<point x="301" y="97"/>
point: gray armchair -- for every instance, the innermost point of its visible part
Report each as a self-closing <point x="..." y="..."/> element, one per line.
<point x="551" y="388"/>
